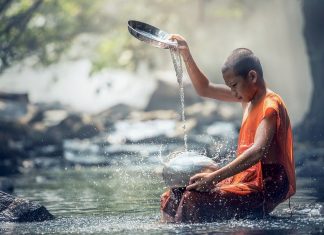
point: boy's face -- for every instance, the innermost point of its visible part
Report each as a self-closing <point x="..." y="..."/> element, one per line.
<point x="242" y="88"/>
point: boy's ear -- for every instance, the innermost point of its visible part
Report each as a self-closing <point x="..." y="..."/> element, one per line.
<point x="253" y="76"/>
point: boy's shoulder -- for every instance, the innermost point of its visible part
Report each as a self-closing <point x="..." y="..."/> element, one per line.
<point x="273" y="98"/>
<point x="271" y="101"/>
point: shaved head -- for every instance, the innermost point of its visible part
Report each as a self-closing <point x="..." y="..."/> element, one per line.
<point x="242" y="61"/>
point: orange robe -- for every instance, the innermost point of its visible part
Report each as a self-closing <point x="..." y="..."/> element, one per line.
<point x="255" y="191"/>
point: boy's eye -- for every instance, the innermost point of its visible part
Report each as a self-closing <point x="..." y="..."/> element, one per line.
<point x="234" y="85"/>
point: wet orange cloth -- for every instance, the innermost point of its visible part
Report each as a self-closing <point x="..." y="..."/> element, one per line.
<point x="251" y="179"/>
<point x="249" y="191"/>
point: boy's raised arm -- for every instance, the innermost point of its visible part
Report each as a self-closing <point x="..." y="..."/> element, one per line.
<point x="200" y="82"/>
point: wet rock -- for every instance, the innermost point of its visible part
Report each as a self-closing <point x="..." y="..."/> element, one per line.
<point x="15" y="131"/>
<point x="18" y="97"/>
<point x="44" y="115"/>
<point x="6" y="185"/>
<point x="14" y="209"/>
<point x="38" y="130"/>
<point x="74" y="126"/>
<point x="37" y="117"/>
<point x="54" y="122"/>
<point x="115" y="113"/>
<point x="13" y="106"/>
<point x="9" y="157"/>
<point x="166" y="96"/>
<point x="51" y="117"/>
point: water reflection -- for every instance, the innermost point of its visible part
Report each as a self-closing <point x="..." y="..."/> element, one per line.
<point x="126" y="201"/>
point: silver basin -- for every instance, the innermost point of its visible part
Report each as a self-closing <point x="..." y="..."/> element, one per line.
<point x="150" y="34"/>
<point x="182" y="165"/>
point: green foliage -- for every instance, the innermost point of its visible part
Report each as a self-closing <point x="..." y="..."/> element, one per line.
<point x="114" y="51"/>
<point x="44" y="28"/>
<point x="43" y="31"/>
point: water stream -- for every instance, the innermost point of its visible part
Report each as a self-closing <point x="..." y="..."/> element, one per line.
<point x="177" y="63"/>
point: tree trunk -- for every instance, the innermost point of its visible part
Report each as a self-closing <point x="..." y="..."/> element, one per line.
<point x="312" y="127"/>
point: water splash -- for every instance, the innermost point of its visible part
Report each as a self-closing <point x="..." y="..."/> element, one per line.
<point x="160" y="155"/>
<point x="223" y="150"/>
<point x="131" y="194"/>
<point x="177" y="63"/>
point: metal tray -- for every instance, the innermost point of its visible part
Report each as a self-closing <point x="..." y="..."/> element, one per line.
<point x="150" y="34"/>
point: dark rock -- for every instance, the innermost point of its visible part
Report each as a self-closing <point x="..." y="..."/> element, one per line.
<point x="9" y="158"/>
<point x="13" y="130"/>
<point x="74" y="126"/>
<point x="37" y="130"/>
<point x="13" y="106"/>
<point x="14" y="209"/>
<point x="44" y="106"/>
<point x="38" y="116"/>
<point x="19" y="97"/>
<point x="115" y="113"/>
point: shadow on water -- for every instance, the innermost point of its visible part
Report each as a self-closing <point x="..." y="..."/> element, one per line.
<point x="125" y="200"/>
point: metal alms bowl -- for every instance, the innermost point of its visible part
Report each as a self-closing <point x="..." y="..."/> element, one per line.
<point x="183" y="165"/>
<point x="150" y="34"/>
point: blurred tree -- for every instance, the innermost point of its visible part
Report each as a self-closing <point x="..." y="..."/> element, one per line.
<point x="312" y="128"/>
<point x="44" y="29"/>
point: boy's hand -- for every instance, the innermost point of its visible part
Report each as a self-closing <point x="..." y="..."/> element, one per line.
<point x="202" y="182"/>
<point x="182" y="43"/>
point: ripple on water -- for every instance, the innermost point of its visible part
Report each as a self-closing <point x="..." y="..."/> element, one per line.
<point x="135" y="224"/>
<point x="126" y="201"/>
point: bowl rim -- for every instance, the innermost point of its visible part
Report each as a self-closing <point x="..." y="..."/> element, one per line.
<point x="133" y="30"/>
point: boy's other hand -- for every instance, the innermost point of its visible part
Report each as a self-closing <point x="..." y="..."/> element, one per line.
<point x="202" y="182"/>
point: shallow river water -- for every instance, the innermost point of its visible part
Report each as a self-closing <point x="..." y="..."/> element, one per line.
<point x="125" y="200"/>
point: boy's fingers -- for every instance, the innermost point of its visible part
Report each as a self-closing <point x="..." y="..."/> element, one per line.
<point x="176" y="37"/>
<point x="191" y="186"/>
<point x="172" y="36"/>
<point x="192" y="179"/>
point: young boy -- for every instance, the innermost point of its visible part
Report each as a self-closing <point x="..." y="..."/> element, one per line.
<point x="263" y="173"/>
